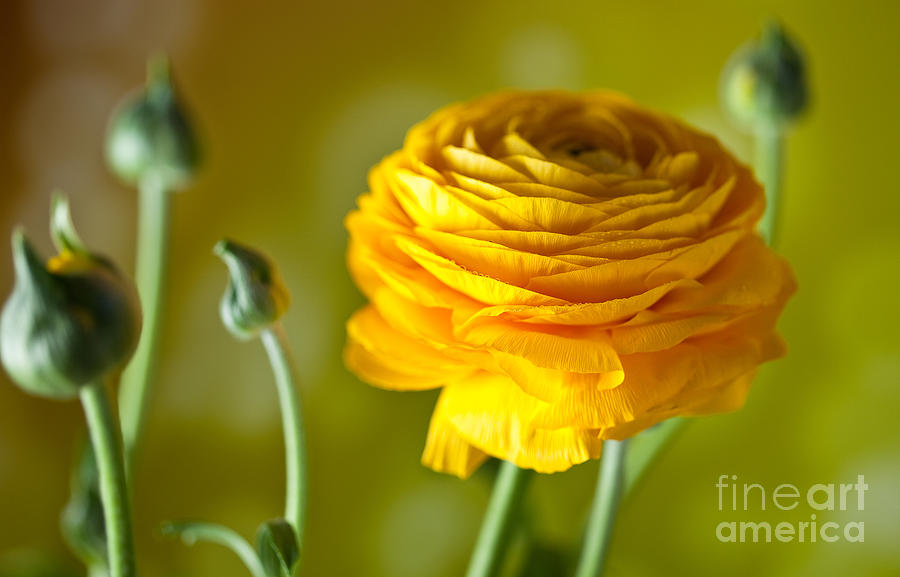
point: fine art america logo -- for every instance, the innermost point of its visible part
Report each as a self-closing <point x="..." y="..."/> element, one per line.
<point x="817" y="499"/>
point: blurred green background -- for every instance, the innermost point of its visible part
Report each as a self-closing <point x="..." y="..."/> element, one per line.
<point x="296" y="100"/>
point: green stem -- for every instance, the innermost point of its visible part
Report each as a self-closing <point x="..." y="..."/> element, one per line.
<point x="192" y="532"/>
<point x="107" y="443"/>
<point x="768" y="166"/>
<point x="603" y="512"/>
<point x="278" y="349"/>
<point x="496" y="527"/>
<point x="150" y="272"/>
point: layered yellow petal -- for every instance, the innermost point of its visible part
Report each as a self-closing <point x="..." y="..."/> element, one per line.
<point x="494" y="415"/>
<point x="569" y="268"/>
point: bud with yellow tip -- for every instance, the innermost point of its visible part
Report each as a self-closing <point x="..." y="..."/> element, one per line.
<point x="256" y="296"/>
<point x="69" y="322"/>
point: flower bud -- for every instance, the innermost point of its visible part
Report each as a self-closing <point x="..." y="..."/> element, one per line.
<point x="70" y="322"/>
<point x="150" y="136"/>
<point x="256" y="296"/>
<point x="764" y="82"/>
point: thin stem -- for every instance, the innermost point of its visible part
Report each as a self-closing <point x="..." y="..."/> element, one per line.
<point x="150" y="273"/>
<point x="107" y="442"/>
<point x="193" y="531"/>
<point x="487" y="558"/>
<point x="603" y="512"/>
<point x="278" y="349"/>
<point x="768" y="166"/>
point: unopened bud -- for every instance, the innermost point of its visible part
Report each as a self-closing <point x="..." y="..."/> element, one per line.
<point x="764" y="82"/>
<point x="151" y="137"/>
<point x="256" y="296"/>
<point x="69" y="322"/>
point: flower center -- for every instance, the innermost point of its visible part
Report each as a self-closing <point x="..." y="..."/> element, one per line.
<point x="598" y="160"/>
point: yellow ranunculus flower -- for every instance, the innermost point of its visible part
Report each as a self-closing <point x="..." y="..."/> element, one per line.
<point x="568" y="268"/>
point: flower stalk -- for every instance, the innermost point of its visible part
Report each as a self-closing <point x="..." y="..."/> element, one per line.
<point x="150" y="277"/>
<point x="496" y="528"/>
<point x="276" y="344"/>
<point x="106" y="440"/>
<point x="610" y="488"/>
<point x="768" y="167"/>
<point x="150" y="145"/>
<point x="254" y="301"/>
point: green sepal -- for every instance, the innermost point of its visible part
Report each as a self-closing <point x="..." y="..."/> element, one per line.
<point x="62" y="230"/>
<point x="276" y="545"/>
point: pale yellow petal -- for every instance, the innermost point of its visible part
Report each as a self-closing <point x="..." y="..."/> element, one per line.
<point x="432" y="205"/>
<point x="494" y="260"/>
<point x="695" y="364"/>
<point x="493" y="414"/>
<point x="573" y="349"/>
<point x="480" y="288"/>
<point x="479" y="166"/>
<point x="600" y="313"/>
<point x="446" y="451"/>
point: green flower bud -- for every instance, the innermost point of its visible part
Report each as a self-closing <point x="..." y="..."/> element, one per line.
<point x="150" y="136"/>
<point x="764" y="82"/>
<point x="256" y="296"/>
<point x="70" y="322"/>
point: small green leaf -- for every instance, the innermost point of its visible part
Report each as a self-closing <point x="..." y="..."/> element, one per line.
<point x="276" y="544"/>
<point x="81" y="521"/>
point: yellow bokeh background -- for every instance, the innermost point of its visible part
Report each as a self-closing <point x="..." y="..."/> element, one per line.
<point x="295" y="101"/>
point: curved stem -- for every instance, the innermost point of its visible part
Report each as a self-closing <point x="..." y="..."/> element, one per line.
<point x="278" y="349"/>
<point x="603" y="512"/>
<point x="107" y="443"/>
<point x="768" y="166"/>
<point x="192" y="531"/>
<point x="150" y="269"/>
<point x="496" y="528"/>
